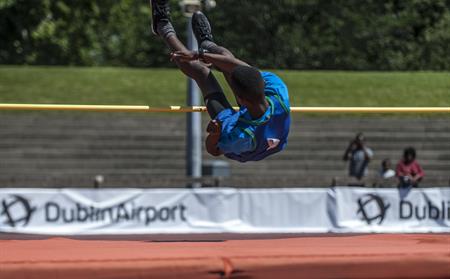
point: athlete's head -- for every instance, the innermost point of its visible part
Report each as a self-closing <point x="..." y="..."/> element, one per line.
<point x="248" y="85"/>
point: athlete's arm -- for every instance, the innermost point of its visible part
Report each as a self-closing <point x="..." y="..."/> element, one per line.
<point x="213" y="138"/>
<point x="348" y="151"/>
<point x="223" y="63"/>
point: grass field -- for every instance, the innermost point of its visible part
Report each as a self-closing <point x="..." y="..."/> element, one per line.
<point x="158" y="87"/>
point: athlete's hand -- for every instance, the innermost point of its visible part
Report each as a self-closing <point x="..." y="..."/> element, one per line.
<point x="184" y="56"/>
<point x="213" y="127"/>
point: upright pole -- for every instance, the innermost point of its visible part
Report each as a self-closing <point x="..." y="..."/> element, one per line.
<point x="194" y="133"/>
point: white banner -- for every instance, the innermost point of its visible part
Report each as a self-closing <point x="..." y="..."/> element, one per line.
<point x="222" y="210"/>
<point x="392" y="210"/>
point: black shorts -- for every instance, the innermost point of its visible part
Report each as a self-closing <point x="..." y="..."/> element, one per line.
<point x="215" y="103"/>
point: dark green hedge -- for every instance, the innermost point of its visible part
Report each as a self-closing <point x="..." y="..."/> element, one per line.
<point x="302" y="34"/>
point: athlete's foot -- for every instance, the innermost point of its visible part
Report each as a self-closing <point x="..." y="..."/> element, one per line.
<point x="160" y="15"/>
<point x="201" y="28"/>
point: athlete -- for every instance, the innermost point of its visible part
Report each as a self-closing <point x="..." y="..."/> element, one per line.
<point x="261" y="126"/>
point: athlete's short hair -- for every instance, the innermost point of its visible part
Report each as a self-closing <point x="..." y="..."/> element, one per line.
<point x="248" y="83"/>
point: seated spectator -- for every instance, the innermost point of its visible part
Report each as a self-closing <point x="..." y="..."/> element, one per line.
<point x="359" y="156"/>
<point x="386" y="176"/>
<point x="408" y="171"/>
<point x="386" y="169"/>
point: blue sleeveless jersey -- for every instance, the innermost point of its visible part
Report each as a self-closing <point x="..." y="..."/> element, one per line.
<point x="245" y="139"/>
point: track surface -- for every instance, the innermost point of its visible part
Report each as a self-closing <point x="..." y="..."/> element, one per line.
<point x="366" y="256"/>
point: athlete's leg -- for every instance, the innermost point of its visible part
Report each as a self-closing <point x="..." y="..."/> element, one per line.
<point x="213" y="95"/>
<point x="212" y="92"/>
<point x="214" y="48"/>
<point x="203" y="33"/>
<point x="194" y="69"/>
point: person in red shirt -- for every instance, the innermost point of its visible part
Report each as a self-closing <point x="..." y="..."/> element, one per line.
<point x="408" y="171"/>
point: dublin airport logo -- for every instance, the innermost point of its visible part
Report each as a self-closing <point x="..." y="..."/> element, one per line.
<point x="372" y="208"/>
<point x="16" y="211"/>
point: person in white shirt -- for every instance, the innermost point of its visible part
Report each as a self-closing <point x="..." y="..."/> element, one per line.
<point x="386" y="176"/>
<point x="386" y="171"/>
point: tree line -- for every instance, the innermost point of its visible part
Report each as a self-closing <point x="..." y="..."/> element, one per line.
<point x="289" y="34"/>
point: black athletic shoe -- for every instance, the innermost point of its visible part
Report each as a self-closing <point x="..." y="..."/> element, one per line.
<point x="201" y="28"/>
<point x="160" y="12"/>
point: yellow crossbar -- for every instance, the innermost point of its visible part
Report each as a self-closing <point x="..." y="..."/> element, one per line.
<point x="124" y="108"/>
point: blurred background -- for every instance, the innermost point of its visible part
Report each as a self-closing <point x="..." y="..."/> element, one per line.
<point x="284" y="34"/>
<point x="330" y="53"/>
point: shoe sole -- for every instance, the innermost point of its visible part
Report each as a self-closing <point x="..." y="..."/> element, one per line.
<point x="200" y="14"/>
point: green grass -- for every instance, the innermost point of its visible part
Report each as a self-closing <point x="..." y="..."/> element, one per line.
<point x="160" y="87"/>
